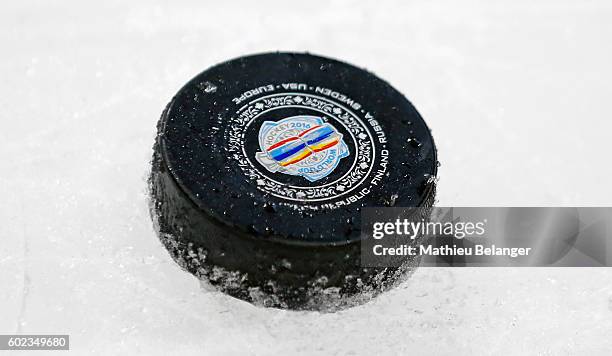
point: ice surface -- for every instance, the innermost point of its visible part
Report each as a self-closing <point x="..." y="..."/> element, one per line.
<point x="515" y="91"/>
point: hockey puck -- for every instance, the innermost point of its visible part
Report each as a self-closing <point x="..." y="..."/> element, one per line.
<point x="262" y="165"/>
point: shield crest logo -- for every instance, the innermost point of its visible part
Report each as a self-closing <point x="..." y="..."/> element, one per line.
<point x="305" y="146"/>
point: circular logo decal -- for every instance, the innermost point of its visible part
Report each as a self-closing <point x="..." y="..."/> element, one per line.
<point x="316" y="146"/>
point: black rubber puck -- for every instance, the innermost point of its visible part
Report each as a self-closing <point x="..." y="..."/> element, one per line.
<point x="262" y="165"/>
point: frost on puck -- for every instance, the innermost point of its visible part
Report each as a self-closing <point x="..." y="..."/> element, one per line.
<point x="262" y="165"/>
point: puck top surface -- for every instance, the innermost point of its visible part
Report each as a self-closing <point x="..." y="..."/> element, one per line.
<point x="290" y="147"/>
